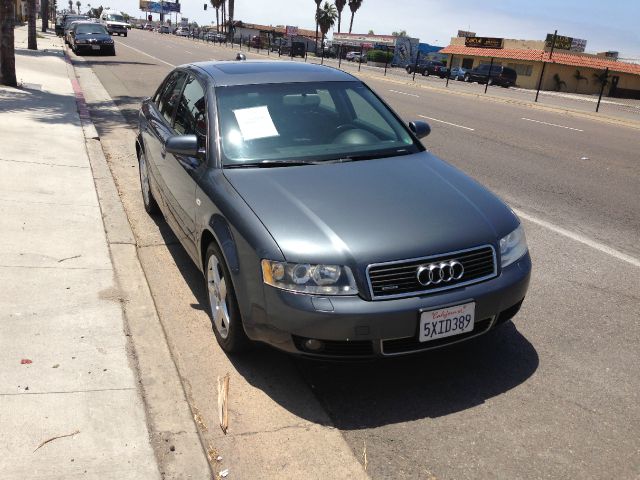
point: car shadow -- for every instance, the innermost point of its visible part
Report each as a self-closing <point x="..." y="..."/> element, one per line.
<point x="366" y="394"/>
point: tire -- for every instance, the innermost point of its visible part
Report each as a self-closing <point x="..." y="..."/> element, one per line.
<point x="226" y="320"/>
<point x="425" y="73"/>
<point x="457" y="78"/>
<point x="150" y="204"/>
<point x="490" y="81"/>
<point x="125" y="34"/>
<point x="466" y="78"/>
<point x="112" y="52"/>
<point x="409" y="70"/>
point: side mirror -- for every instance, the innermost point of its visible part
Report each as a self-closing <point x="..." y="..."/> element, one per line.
<point x="186" y="145"/>
<point x="420" y="129"/>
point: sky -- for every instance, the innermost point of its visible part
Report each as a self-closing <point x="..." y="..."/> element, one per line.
<point x="605" y="26"/>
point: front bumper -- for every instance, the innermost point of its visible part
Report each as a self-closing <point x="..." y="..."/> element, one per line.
<point x="116" y="29"/>
<point x="352" y="327"/>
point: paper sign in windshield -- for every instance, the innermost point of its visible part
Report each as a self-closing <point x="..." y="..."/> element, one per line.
<point x="255" y="123"/>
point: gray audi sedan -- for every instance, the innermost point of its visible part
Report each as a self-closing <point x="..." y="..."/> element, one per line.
<point x="322" y="225"/>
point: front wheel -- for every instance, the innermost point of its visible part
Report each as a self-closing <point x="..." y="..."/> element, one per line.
<point x="490" y="82"/>
<point x="409" y="70"/>
<point x="466" y="78"/>
<point x="223" y="305"/>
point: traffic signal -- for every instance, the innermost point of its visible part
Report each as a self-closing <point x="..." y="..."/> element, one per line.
<point x="205" y="6"/>
<point x="149" y="18"/>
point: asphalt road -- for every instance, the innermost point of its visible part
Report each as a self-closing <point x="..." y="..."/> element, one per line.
<point x="555" y="396"/>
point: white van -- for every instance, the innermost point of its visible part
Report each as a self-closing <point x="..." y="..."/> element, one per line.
<point x="114" y="23"/>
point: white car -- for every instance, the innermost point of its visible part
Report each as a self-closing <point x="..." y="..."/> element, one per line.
<point x="114" y="23"/>
<point x="182" y="32"/>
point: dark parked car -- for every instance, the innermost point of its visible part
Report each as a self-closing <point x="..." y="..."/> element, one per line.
<point x="457" y="73"/>
<point x="428" y="67"/>
<point x="68" y="21"/>
<point x="499" y="75"/>
<point x="321" y="223"/>
<point x="91" y="37"/>
<point x="296" y="49"/>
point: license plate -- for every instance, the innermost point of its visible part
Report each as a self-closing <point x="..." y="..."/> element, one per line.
<point x="446" y="322"/>
<point x="95" y="47"/>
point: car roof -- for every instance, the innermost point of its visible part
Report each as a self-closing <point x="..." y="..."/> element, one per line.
<point x="261" y="71"/>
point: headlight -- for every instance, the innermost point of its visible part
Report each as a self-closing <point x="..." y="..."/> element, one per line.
<point x="307" y="278"/>
<point x="81" y="41"/>
<point x="108" y="41"/>
<point x="513" y="246"/>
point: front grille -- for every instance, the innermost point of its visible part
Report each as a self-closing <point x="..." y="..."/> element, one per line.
<point x="338" y="348"/>
<point x="399" y="279"/>
<point x="412" y="344"/>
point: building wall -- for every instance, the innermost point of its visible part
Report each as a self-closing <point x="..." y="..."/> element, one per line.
<point x="528" y="71"/>
<point x="509" y="43"/>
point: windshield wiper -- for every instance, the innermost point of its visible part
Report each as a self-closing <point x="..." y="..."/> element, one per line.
<point x="370" y="156"/>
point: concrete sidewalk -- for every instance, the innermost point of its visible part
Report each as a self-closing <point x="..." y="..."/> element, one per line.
<point x="66" y="366"/>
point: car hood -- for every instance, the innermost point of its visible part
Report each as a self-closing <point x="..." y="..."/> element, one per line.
<point x="370" y="211"/>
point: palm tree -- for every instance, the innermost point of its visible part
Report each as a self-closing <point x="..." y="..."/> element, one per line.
<point x="78" y="5"/>
<point x="318" y="2"/>
<point x="602" y="78"/>
<point x="217" y="4"/>
<point x="32" y="43"/>
<point x="7" y="52"/>
<point x="354" y="5"/>
<point x="578" y="76"/>
<point x="339" y="7"/>
<point x="70" y="5"/>
<point x="326" y="18"/>
<point x="231" y="27"/>
<point x="44" y="14"/>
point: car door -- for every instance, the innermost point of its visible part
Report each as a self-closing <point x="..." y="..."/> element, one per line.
<point x="155" y="138"/>
<point x="183" y="171"/>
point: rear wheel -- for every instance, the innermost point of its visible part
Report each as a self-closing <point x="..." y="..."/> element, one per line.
<point x="425" y="73"/>
<point x="467" y="78"/>
<point x="150" y="204"/>
<point x="409" y="70"/>
<point x="490" y="81"/>
<point x="223" y="305"/>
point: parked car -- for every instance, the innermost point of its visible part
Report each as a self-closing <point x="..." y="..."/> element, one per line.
<point x="182" y="32"/>
<point x="294" y="50"/>
<point x="215" y="37"/>
<point x="457" y="73"/>
<point x="428" y="67"/>
<point x="164" y="29"/>
<point x="320" y="222"/>
<point x="356" y="57"/>
<point x="499" y="75"/>
<point x="148" y="26"/>
<point x="68" y="22"/>
<point x="114" y="23"/>
<point x="91" y="37"/>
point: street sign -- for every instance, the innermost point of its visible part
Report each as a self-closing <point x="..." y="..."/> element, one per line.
<point x="483" y="42"/>
<point x="291" y="31"/>
<point x="465" y="33"/>
<point x="566" y="43"/>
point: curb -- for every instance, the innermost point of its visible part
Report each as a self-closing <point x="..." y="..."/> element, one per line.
<point x="173" y="433"/>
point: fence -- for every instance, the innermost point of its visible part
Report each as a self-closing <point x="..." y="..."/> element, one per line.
<point x="421" y="74"/>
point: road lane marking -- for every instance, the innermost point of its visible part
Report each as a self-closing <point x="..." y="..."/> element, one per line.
<point x="144" y="53"/>
<point x="448" y="123"/>
<point x="403" y="93"/>
<point x="552" y="124"/>
<point x="601" y="247"/>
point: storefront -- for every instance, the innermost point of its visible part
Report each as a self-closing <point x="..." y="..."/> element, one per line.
<point x="567" y="71"/>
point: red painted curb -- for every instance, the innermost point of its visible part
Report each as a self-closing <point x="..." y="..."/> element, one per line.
<point x="81" y="103"/>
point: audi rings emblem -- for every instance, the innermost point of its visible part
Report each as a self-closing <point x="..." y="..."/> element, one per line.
<point x="442" y="272"/>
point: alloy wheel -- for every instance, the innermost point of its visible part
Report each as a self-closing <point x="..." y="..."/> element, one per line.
<point x="217" y="290"/>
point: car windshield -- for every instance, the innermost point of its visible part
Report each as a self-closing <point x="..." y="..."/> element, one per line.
<point x="115" y="18"/>
<point x="90" y="29"/>
<point x="307" y="122"/>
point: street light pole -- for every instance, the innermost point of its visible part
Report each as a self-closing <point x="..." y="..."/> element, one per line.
<point x="544" y="64"/>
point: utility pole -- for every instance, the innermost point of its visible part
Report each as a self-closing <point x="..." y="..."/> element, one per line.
<point x="544" y="64"/>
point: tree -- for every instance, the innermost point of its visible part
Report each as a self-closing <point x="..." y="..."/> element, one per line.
<point x="339" y="7"/>
<point x="32" y="42"/>
<point x="401" y="33"/>
<point x="230" y="23"/>
<point x="78" y="3"/>
<point x="602" y="78"/>
<point x="45" y="15"/>
<point x="217" y="4"/>
<point x="70" y="6"/>
<point x="7" y="52"/>
<point x="326" y="18"/>
<point x="578" y="76"/>
<point x="317" y="2"/>
<point x="371" y="32"/>
<point x="354" y="5"/>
